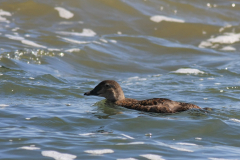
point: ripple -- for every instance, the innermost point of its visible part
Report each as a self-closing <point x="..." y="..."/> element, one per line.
<point x="141" y="44"/>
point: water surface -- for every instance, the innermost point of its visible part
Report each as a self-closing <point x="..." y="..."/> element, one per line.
<point x="51" y="52"/>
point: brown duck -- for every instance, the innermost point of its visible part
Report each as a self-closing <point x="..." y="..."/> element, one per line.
<point x="113" y="92"/>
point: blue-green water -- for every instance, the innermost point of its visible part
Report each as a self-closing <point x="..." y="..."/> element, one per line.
<point x="52" y="52"/>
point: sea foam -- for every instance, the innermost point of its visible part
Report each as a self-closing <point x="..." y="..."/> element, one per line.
<point x="63" y="13"/>
<point x="58" y="156"/>
<point x="188" y="71"/>
<point x="160" y="18"/>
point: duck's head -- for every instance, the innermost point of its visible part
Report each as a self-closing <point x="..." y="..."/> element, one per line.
<point x="109" y="89"/>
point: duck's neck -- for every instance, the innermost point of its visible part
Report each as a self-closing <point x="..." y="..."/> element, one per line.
<point x="117" y="98"/>
<point x="115" y="95"/>
<point x="120" y="97"/>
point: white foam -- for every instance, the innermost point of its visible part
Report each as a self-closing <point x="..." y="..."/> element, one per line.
<point x="187" y="144"/>
<point x="75" y="41"/>
<point x="63" y="13"/>
<point x="226" y="38"/>
<point x="126" y="159"/>
<point x="86" y="32"/>
<point x="15" y="29"/>
<point x="27" y="118"/>
<point x="73" y="50"/>
<point x="4" y="13"/>
<point x="235" y="120"/>
<point x="157" y="75"/>
<point x="31" y="147"/>
<point x="152" y="157"/>
<point x="30" y="43"/>
<point x="220" y="159"/>
<point x="135" y="77"/>
<point x="103" y="40"/>
<point x="53" y="49"/>
<point x="198" y="138"/>
<point x="18" y="38"/>
<point x="113" y="41"/>
<point x="174" y="147"/>
<point x="127" y="136"/>
<point x="99" y="152"/>
<point x="188" y="71"/>
<point x="24" y="41"/>
<point x="4" y="105"/>
<point x="159" y="18"/>
<point x="204" y="44"/>
<point x="228" y="48"/>
<point x="131" y="143"/>
<point x="58" y="156"/>
<point x="86" y="134"/>
<point x="180" y="149"/>
<point x="222" y="28"/>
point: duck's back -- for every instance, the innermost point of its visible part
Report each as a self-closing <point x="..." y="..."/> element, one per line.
<point x="159" y="105"/>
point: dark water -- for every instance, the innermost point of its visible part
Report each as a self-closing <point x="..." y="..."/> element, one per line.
<point x="51" y="52"/>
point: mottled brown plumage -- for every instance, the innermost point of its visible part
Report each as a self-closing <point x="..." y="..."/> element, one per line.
<point x="112" y="91"/>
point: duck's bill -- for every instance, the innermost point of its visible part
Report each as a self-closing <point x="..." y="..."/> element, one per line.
<point x="91" y="93"/>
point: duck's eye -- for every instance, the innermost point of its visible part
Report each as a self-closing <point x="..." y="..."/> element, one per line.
<point x="107" y="85"/>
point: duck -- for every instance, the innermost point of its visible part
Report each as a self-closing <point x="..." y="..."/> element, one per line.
<point x="113" y="92"/>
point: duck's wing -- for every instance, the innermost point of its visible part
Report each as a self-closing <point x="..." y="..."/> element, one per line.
<point x="158" y="105"/>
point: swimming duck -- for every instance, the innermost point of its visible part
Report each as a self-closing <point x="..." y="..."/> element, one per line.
<point x="113" y="92"/>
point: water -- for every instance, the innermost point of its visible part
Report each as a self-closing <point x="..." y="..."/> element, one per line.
<point x="51" y="52"/>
